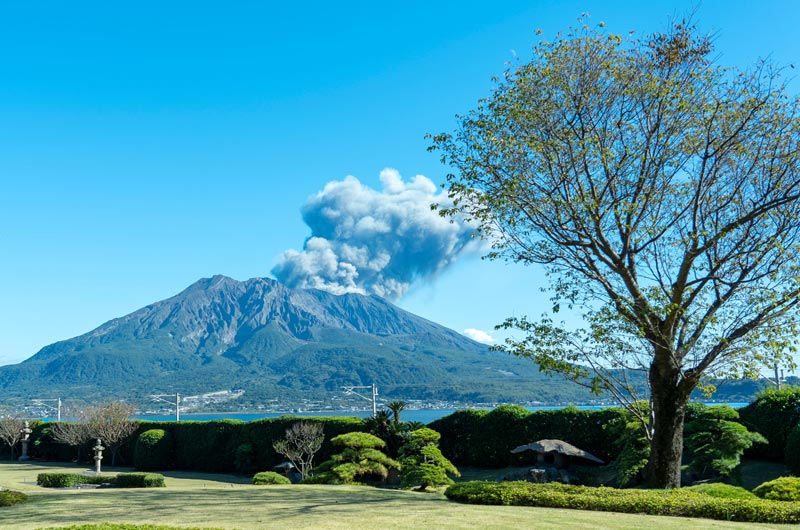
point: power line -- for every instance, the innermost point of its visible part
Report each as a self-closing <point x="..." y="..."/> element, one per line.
<point x="350" y="390"/>
<point x="57" y="407"/>
<point x="160" y="397"/>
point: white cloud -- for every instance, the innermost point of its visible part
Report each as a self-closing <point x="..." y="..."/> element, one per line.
<point x="375" y="242"/>
<point x="479" y="336"/>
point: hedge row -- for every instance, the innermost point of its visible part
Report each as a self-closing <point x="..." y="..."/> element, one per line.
<point x="774" y="414"/>
<point x="122" y="480"/>
<point x="140" y="480"/>
<point x="222" y="446"/>
<point x="485" y="438"/>
<point x="678" y="503"/>
<point x="70" y="480"/>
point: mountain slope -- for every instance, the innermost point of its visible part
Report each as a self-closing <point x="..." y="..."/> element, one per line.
<point x="280" y="344"/>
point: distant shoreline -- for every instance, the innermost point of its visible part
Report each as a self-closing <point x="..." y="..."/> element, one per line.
<point x="420" y="415"/>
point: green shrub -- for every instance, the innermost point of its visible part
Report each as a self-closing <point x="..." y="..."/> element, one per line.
<point x="10" y="498"/>
<point x="423" y="464"/>
<point x="460" y="432"/>
<point x="70" y="480"/>
<point x="676" y="502"/>
<point x="266" y="478"/>
<point x="122" y="480"/>
<point x="360" y="458"/>
<point x="140" y="480"/>
<point x="59" y="480"/>
<point x="774" y="414"/>
<point x="244" y="458"/>
<point x="780" y="489"/>
<point x="261" y="434"/>
<point x="154" y="449"/>
<point x="792" y="451"/>
<point x="485" y="438"/>
<point x="632" y="446"/>
<point x="125" y="526"/>
<point x="715" y="441"/>
<point x="222" y="446"/>
<point x="723" y="491"/>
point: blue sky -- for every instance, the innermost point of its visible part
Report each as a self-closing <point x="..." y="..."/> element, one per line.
<point x="146" y="145"/>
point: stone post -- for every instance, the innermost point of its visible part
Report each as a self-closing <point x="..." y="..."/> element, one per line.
<point x="98" y="456"/>
<point x="26" y="433"/>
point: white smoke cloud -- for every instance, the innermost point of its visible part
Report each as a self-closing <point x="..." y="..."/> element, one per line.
<point x="479" y="336"/>
<point x="375" y="242"/>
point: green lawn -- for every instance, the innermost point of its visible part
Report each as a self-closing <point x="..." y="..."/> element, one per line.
<point x="196" y="499"/>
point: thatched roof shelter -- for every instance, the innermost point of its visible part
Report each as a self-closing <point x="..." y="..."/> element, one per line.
<point x="557" y="453"/>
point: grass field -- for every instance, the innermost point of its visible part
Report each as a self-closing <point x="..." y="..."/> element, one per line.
<point x="226" y="501"/>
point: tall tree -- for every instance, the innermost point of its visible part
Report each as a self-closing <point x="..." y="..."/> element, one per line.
<point x="661" y="194"/>
<point x="112" y="424"/>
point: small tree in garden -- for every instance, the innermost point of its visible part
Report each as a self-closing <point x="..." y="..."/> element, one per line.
<point x="303" y="440"/>
<point x="11" y="431"/>
<point x="112" y="424"/>
<point x="73" y="434"/>
<point x="423" y="464"/>
<point x="360" y="458"/>
<point x="715" y="441"/>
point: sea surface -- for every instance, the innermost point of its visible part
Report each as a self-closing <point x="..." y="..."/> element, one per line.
<point x="421" y="415"/>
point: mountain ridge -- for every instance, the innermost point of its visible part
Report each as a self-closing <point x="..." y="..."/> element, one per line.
<point x="277" y="343"/>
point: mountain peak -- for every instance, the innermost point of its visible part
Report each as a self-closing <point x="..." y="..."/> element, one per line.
<point x="270" y="340"/>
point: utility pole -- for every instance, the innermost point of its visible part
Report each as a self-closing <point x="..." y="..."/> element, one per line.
<point x="160" y="397"/>
<point x="56" y="408"/>
<point x="350" y="390"/>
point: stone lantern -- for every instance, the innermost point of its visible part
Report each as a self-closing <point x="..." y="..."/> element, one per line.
<point x="98" y="455"/>
<point x="26" y="433"/>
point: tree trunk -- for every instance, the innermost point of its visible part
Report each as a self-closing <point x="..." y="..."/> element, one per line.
<point x="668" y="402"/>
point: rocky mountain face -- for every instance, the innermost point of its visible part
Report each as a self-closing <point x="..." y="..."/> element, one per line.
<point x="274" y="343"/>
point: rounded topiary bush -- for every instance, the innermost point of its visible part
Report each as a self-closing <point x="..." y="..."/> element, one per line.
<point x="10" y="498"/>
<point x="154" y="449"/>
<point x="723" y="491"/>
<point x="266" y="478"/>
<point x="780" y="489"/>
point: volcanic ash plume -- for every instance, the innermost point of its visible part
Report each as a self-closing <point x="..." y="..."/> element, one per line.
<point x="375" y="242"/>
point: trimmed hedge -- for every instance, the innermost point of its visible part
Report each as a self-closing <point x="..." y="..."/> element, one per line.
<point x="10" y="497"/>
<point x="780" y="489"/>
<point x="678" y="502"/>
<point x="140" y="480"/>
<point x="154" y="450"/>
<point x="792" y="451"/>
<point x="773" y="414"/>
<point x="122" y="526"/>
<point x="122" y="480"/>
<point x="485" y="438"/>
<point x="220" y="446"/>
<point x="267" y="478"/>
<point x="70" y="480"/>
